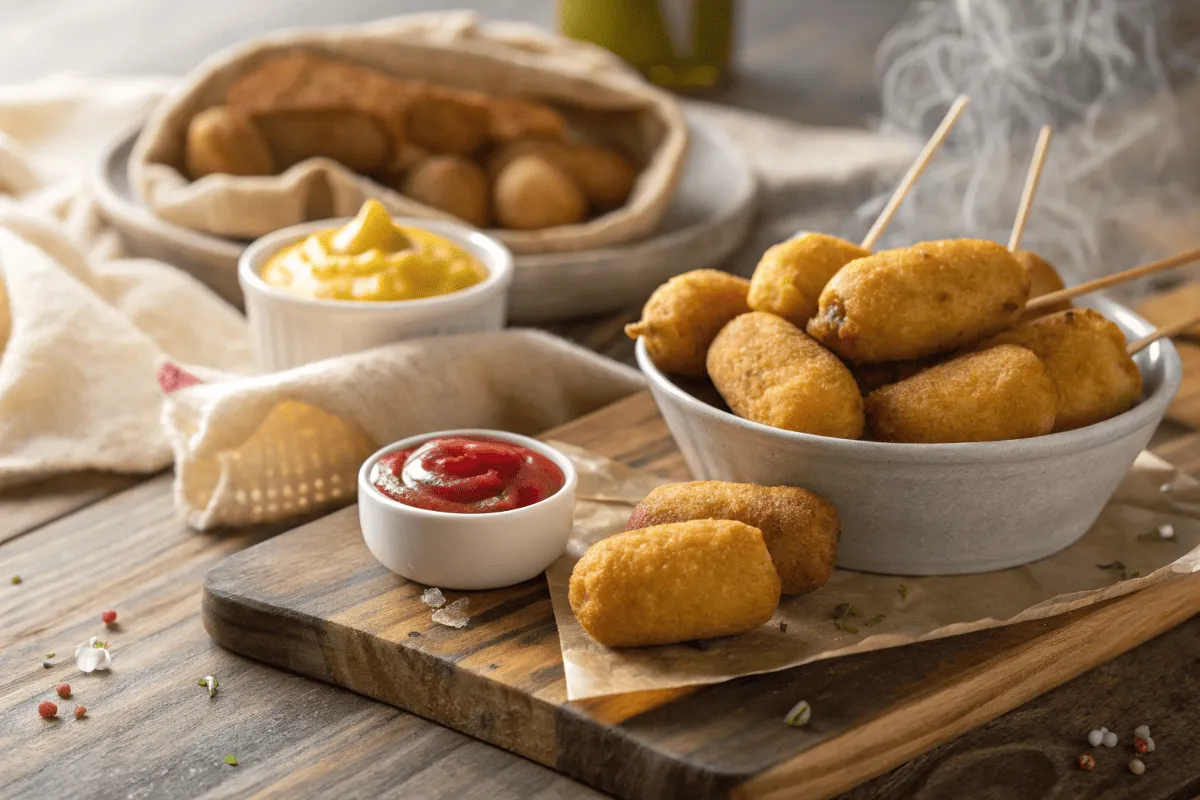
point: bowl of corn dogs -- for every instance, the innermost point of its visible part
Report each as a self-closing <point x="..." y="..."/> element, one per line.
<point x="950" y="398"/>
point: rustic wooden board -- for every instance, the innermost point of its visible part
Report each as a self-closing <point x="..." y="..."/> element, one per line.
<point x="314" y="601"/>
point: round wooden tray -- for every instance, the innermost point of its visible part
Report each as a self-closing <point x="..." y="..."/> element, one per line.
<point x="709" y="218"/>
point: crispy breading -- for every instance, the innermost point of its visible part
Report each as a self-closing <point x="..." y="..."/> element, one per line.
<point x="1084" y="354"/>
<point x="1043" y="279"/>
<point x="790" y="276"/>
<point x="675" y="583"/>
<point x="993" y="395"/>
<point x="917" y="301"/>
<point x="771" y="372"/>
<point x="682" y="317"/>
<point x="800" y="527"/>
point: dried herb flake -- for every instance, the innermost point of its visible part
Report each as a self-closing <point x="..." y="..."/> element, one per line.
<point x="842" y="610"/>
<point x="231" y="761"/>
<point x="16" y="579"/>
<point x="874" y="619"/>
<point x="845" y="626"/>
<point x="799" y="716"/>
<point x="903" y="590"/>
<point x="782" y="626"/>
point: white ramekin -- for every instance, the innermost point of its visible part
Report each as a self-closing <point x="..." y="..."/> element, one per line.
<point x="467" y="551"/>
<point x="287" y="331"/>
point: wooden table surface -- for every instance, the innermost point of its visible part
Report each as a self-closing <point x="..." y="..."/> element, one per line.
<point x="83" y="544"/>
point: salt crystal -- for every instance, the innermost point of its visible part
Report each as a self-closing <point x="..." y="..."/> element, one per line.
<point x="1166" y="531"/>
<point x="1110" y="739"/>
<point x="1142" y="732"/>
<point x="1095" y="738"/>
<point x="1166" y="488"/>
<point x="1137" y="766"/>
<point x="453" y="615"/>
<point x="433" y="598"/>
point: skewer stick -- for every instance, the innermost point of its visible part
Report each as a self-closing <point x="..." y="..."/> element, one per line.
<point x="1165" y="332"/>
<point x="1153" y="268"/>
<point x="1031" y="184"/>
<point x="914" y="172"/>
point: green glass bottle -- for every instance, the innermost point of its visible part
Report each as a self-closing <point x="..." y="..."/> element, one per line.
<point x="677" y="44"/>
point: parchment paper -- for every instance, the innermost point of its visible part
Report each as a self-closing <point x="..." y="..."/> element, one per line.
<point x="1123" y="552"/>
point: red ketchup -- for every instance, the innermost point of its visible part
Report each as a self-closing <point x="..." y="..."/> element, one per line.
<point x="467" y="475"/>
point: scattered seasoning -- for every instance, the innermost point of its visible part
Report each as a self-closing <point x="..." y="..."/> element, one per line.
<point x="92" y="655"/>
<point x="1087" y="763"/>
<point x="1125" y="576"/>
<point x="49" y="655"/>
<point x="903" y="590"/>
<point x="1110" y="739"/>
<point x="874" y="619"/>
<point x="413" y="634"/>
<point x="1137" y="766"/>
<point x="63" y="689"/>
<point x="1142" y="732"/>
<point x="799" y="716"/>
<point x="1111" y="565"/>
<point x="844" y="610"/>
<point x="47" y="664"/>
<point x="231" y="760"/>
<point x="1140" y="747"/>
<point x="782" y="626"/>
<point x="453" y="615"/>
<point x="1149" y="745"/>
<point x="211" y="682"/>
<point x="845" y="626"/>
<point x="16" y="579"/>
<point x="433" y="597"/>
<point x="47" y="709"/>
<point x="99" y="645"/>
<point x="80" y="712"/>
<point x="1166" y="487"/>
<point x="1163" y="533"/>
<point x="108" y="617"/>
<point x="1095" y="738"/>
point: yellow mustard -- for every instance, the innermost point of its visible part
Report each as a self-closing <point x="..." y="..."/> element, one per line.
<point x="371" y="258"/>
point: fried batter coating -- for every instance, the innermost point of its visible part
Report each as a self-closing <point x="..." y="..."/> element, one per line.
<point x="225" y="140"/>
<point x="605" y="176"/>
<point x="1044" y="279"/>
<point x="451" y="184"/>
<point x="683" y="316"/>
<point x="443" y="121"/>
<point x="917" y="301"/>
<point x="790" y="276"/>
<point x="1084" y="354"/>
<point x="510" y="118"/>
<point x="771" y="372"/>
<point x="801" y="528"/>
<point x="355" y="139"/>
<point x="989" y="396"/>
<point x="674" y="583"/>
<point x="531" y="193"/>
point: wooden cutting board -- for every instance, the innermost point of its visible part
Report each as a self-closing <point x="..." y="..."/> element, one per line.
<point x="314" y="601"/>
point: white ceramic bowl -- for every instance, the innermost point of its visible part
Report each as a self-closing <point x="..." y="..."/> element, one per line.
<point x="936" y="509"/>
<point x="287" y="331"/>
<point x="467" y="551"/>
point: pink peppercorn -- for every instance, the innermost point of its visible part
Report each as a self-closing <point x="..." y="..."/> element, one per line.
<point x="109" y="617"/>
<point x="1086" y="762"/>
<point x="63" y="689"/>
<point x="1140" y="746"/>
<point x="47" y="709"/>
<point x="80" y="712"/>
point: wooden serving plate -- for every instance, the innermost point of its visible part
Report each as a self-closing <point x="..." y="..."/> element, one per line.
<point x="314" y="601"/>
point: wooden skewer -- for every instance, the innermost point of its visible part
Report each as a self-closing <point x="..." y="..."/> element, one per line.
<point x="1153" y="268"/>
<point x="1165" y="332"/>
<point x="1031" y="183"/>
<point x="914" y="172"/>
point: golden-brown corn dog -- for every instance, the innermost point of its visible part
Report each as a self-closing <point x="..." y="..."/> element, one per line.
<point x="800" y="527"/>
<point x="791" y="275"/>
<point x="771" y="372"/>
<point x="674" y="583"/>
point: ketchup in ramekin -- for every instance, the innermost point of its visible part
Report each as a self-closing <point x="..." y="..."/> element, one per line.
<point x="467" y="475"/>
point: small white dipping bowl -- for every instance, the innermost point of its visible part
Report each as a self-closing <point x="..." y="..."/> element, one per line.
<point x="936" y="509"/>
<point x="467" y="551"/>
<point x="287" y="331"/>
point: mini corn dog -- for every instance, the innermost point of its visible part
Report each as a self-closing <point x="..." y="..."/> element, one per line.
<point x="791" y="275"/>
<point x="918" y="301"/>
<point x="683" y="316"/>
<point x="771" y="372"/>
<point x="996" y="394"/>
<point x="801" y="528"/>
<point x="674" y="583"/>
<point x="1085" y="356"/>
